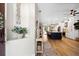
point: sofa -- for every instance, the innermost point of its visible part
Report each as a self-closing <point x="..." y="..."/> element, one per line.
<point x="54" y="35"/>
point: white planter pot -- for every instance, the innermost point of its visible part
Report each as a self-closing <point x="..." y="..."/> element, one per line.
<point x="19" y="36"/>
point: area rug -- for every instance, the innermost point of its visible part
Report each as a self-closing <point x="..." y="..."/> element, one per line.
<point x="48" y="50"/>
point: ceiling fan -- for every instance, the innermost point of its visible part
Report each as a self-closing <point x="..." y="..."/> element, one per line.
<point x="73" y="12"/>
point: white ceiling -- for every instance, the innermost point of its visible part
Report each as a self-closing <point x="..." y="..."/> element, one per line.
<point x="55" y="12"/>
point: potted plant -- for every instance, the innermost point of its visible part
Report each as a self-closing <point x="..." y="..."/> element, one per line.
<point x="77" y="26"/>
<point x="20" y="30"/>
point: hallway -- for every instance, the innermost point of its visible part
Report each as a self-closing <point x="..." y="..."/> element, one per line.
<point x="64" y="47"/>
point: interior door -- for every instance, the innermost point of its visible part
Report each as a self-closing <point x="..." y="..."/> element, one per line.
<point x="2" y="29"/>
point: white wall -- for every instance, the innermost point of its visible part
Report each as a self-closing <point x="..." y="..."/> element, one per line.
<point x="27" y="20"/>
<point x="11" y="20"/>
<point x="21" y="47"/>
<point x="25" y="15"/>
<point x="72" y="32"/>
<point x="6" y="22"/>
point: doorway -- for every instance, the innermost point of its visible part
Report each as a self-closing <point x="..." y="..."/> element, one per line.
<point x="2" y="29"/>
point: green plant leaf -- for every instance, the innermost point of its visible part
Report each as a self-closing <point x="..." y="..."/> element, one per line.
<point x="19" y="30"/>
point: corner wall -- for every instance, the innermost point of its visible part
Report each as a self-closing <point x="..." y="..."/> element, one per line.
<point x="26" y="46"/>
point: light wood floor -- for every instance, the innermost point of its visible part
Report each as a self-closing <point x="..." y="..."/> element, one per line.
<point x="65" y="47"/>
